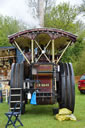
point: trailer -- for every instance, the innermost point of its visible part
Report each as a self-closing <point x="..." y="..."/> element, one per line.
<point x="41" y="71"/>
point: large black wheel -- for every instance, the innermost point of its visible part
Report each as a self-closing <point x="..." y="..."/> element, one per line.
<point x="17" y="75"/>
<point x="67" y="87"/>
<point x="17" y="78"/>
<point x="62" y="88"/>
<point x="12" y="80"/>
<point x="72" y="83"/>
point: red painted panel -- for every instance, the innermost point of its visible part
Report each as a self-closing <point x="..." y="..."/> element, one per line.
<point x="45" y="68"/>
<point x="45" y="84"/>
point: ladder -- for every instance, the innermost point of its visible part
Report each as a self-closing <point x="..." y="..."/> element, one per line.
<point x="16" y="96"/>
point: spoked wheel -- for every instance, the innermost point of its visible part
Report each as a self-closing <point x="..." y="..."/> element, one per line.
<point x="17" y="78"/>
<point x="67" y="87"/>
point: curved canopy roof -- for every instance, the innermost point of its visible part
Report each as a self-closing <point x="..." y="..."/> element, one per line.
<point x="42" y="35"/>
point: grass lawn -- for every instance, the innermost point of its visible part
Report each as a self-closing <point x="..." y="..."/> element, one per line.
<point x="42" y="116"/>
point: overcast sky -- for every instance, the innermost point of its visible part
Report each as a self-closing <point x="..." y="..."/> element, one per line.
<point x="19" y="10"/>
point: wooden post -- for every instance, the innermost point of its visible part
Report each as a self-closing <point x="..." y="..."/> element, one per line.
<point x="53" y="51"/>
<point x="32" y="49"/>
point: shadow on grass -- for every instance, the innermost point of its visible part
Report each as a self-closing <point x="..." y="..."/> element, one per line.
<point x="40" y="109"/>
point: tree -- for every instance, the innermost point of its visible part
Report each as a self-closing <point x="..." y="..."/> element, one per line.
<point x="49" y="4"/>
<point x="82" y="7"/>
<point x="76" y="54"/>
<point x="41" y="12"/>
<point x="62" y="17"/>
<point x="80" y="64"/>
<point x="8" y="26"/>
<point x="39" y="8"/>
<point x="73" y="52"/>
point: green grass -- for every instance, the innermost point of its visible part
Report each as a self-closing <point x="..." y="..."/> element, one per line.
<point x="42" y="116"/>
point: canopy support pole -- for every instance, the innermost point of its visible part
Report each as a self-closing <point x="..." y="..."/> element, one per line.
<point x="63" y="52"/>
<point x="21" y="52"/>
<point x="53" y="51"/>
<point x="47" y="44"/>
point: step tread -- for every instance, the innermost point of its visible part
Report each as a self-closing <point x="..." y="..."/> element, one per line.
<point x="15" y="88"/>
<point x="16" y="108"/>
<point x="15" y="94"/>
<point x="14" y="101"/>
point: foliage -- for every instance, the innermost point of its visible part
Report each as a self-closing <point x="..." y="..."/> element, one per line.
<point x="49" y="4"/>
<point x="76" y="55"/>
<point x="81" y="8"/>
<point x="8" y="26"/>
<point x="73" y="52"/>
<point x="62" y="17"/>
<point x="80" y="64"/>
<point x="79" y="67"/>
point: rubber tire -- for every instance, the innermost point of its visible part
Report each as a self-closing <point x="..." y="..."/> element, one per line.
<point x="12" y="80"/>
<point x="21" y="79"/>
<point x="21" y="75"/>
<point x="63" y="93"/>
<point x="72" y="82"/>
<point x="17" y="75"/>
<point x="67" y="87"/>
